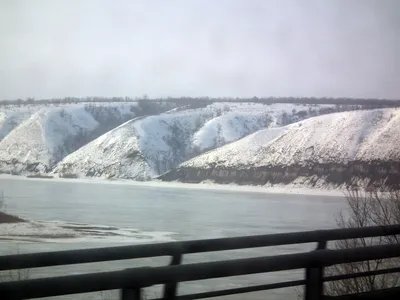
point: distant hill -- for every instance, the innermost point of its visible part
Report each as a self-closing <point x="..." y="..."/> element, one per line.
<point x="353" y="148"/>
<point x="146" y="147"/>
<point x="181" y="101"/>
<point x="34" y="138"/>
<point x="226" y="142"/>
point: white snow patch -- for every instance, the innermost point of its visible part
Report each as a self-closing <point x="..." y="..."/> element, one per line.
<point x="64" y="232"/>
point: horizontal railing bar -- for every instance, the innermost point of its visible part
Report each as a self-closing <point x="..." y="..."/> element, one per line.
<point x="142" y="277"/>
<point x="361" y="274"/>
<point x="278" y="285"/>
<point x="241" y="290"/>
<point x="45" y="259"/>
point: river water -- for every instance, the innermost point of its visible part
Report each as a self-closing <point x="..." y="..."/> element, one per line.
<point x="154" y="213"/>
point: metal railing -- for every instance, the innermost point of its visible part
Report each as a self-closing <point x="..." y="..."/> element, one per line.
<point x="132" y="281"/>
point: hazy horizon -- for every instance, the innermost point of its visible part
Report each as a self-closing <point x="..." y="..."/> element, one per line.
<point x="299" y="48"/>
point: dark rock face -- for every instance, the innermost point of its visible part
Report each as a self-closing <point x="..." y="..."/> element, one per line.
<point x="372" y="172"/>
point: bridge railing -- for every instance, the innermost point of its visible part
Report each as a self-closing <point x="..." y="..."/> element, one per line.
<point x="132" y="281"/>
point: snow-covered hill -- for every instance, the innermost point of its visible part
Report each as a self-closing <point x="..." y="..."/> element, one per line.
<point x="146" y="147"/>
<point x="340" y="144"/>
<point x="35" y="138"/>
<point x="12" y="116"/>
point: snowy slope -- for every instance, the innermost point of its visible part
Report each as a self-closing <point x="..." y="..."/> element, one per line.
<point x="238" y="122"/>
<point x="145" y="147"/>
<point x="12" y="116"/>
<point x="115" y="153"/>
<point x="342" y="137"/>
<point x="238" y="154"/>
<point x="53" y="132"/>
<point x="333" y="138"/>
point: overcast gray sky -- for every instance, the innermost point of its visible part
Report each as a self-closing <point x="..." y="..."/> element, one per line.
<point x="56" y="48"/>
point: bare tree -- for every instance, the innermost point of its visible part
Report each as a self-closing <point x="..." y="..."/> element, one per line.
<point x="367" y="208"/>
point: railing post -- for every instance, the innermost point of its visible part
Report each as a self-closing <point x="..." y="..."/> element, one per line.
<point x="314" y="288"/>
<point x="131" y="294"/>
<point x="170" y="289"/>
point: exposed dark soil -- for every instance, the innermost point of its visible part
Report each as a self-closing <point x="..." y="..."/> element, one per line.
<point x="375" y="173"/>
<point x="40" y="176"/>
<point x="7" y="218"/>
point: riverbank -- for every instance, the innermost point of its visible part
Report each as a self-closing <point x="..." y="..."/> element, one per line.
<point x="292" y="189"/>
